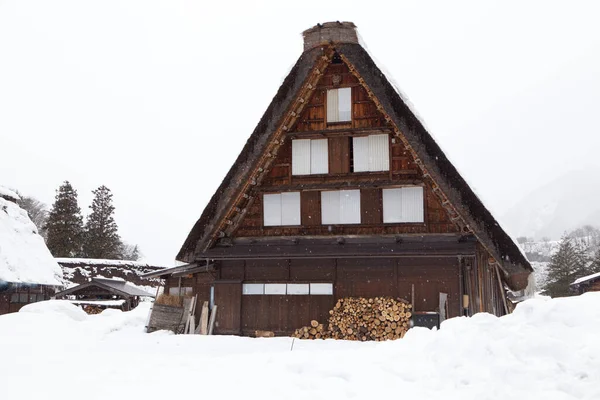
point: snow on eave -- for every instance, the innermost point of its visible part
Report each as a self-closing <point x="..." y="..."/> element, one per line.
<point x="24" y="257"/>
<point x="104" y="262"/>
<point x="586" y="278"/>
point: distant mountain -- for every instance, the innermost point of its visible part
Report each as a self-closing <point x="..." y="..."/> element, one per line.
<point x="566" y="203"/>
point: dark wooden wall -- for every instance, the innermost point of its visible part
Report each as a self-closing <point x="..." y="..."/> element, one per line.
<point x="366" y="120"/>
<point x="364" y="111"/>
<point x="480" y="282"/>
<point x="244" y="314"/>
<point x="436" y="219"/>
<point x="14" y="296"/>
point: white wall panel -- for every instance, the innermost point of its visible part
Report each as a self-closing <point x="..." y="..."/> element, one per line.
<point x="412" y="204"/>
<point x="321" y="288"/>
<point x="345" y="104"/>
<point x="333" y="111"/>
<point x="272" y="209"/>
<point x="301" y="150"/>
<point x="253" y="288"/>
<point x="392" y="205"/>
<point x="298" y="288"/>
<point x="403" y="205"/>
<point x="379" y="153"/>
<point x="290" y="208"/>
<point x="319" y="156"/>
<point x="330" y="207"/>
<point x="349" y="206"/>
<point x="275" y="288"/>
<point x="360" y="150"/>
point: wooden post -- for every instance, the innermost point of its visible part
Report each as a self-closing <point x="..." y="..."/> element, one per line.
<point x="502" y="293"/>
<point x="213" y="317"/>
<point x="203" y="325"/>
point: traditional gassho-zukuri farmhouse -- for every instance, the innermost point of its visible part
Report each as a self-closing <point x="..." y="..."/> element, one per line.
<point x="341" y="204"/>
<point x="28" y="272"/>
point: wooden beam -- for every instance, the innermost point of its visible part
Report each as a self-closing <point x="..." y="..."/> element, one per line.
<point x="340" y="132"/>
<point x="336" y="185"/>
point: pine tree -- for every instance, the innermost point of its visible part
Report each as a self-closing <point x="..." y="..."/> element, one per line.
<point x="64" y="226"/>
<point x="130" y="252"/>
<point x="594" y="266"/>
<point x="566" y="265"/>
<point x="37" y="212"/>
<point x="101" y="237"/>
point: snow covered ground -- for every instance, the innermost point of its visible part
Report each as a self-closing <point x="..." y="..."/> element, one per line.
<point x="547" y="349"/>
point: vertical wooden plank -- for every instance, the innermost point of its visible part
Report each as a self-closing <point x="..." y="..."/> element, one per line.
<point x="228" y="295"/>
<point x="371" y="206"/>
<point x="339" y="155"/>
<point x="310" y="208"/>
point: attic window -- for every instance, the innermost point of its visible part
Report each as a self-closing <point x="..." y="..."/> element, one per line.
<point x="403" y="205"/>
<point x="310" y="156"/>
<point x="371" y="153"/>
<point x="336" y="59"/>
<point x="281" y="209"/>
<point x="340" y="207"/>
<point x="339" y="105"/>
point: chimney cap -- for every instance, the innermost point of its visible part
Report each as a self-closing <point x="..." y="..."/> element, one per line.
<point x="336" y="32"/>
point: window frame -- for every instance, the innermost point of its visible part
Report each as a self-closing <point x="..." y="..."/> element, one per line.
<point x="339" y="207"/>
<point x="328" y="105"/>
<point x="280" y="194"/>
<point x="313" y="288"/>
<point x="311" y="148"/>
<point x="423" y="205"/>
<point x="368" y="157"/>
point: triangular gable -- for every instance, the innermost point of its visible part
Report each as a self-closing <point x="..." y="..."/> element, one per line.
<point x="286" y="108"/>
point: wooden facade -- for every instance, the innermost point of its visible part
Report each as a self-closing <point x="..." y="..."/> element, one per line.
<point x="13" y="296"/>
<point x="590" y="283"/>
<point x="453" y="259"/>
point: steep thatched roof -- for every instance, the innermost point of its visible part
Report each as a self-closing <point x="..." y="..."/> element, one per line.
<point x="466" y="202"/>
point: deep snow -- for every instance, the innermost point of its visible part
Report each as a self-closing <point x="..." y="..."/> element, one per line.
<point x="24" y="257"/>
<point x="547" y="349"/>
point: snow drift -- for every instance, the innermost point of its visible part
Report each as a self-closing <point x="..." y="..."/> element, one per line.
<point x="547" y="349"/>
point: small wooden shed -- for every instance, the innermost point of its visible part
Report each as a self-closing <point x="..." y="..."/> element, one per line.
<point x="589" y="283"/>
<point x="104" y="293"/>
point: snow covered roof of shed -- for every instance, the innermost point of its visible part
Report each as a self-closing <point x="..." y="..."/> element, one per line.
<point x="105" y="262"/>
<point x="116" y="286"/>
<point x="24" y="257"/>
<point x="586" y="278"/>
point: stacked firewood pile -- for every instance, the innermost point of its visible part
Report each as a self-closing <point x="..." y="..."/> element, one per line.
<point x="359" y="318"/>
<point x="92" y="310"/>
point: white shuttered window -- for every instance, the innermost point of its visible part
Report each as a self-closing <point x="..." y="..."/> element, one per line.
<point x="403" y="205"/>
<point x="281" y="209"/>
<point x="371" y="153"/>
<point x="339" y="105"/>
<point x="310" y="156"/>
<point x="340" y="207"/>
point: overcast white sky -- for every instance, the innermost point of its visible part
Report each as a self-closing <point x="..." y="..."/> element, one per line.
<point x="155" y="99"/>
